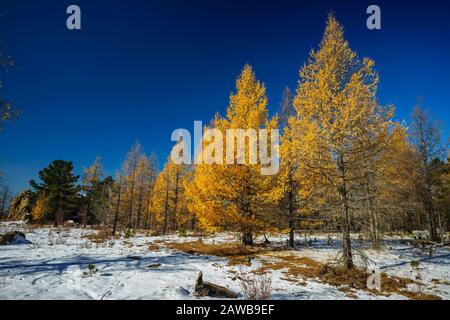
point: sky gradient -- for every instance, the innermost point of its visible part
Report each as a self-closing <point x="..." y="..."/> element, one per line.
<point x="140" y="69"/>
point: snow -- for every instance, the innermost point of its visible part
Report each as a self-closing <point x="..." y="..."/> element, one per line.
<point x="56" y="266"/>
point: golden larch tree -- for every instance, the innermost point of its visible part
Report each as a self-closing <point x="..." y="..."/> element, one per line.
<point x="228" y="195"/>
<point x="338" y="122"/>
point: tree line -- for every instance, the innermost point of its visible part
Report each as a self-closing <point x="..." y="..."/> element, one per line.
<point x="346" y="166"/>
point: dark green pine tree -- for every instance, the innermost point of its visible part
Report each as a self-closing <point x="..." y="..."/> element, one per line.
<point x="59" y="185"/>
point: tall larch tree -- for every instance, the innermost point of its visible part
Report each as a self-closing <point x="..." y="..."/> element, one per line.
<point x="130" y="167"/>
<point x="91" y="183"/>
<point x="168" y="200"/>
<point x="426" y="141"/>
<point x="235" y="196"/>
<point x="149" y="220"/>
<point x="116" y="201"/>
<point x="286" y="192"/>
<point x="336" y="113"/>
<point x="144" y="177"/>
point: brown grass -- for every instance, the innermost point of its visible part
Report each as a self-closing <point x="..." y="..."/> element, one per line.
<point x="336" y="276"/>
<point x="100" y="236"/>
<point x="237" y="254"/>
<point x="440" y="281"/>
<point x="349" y="292"/>
<point x="297" y="269"/>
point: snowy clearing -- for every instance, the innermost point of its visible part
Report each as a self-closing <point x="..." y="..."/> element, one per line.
<point x="64" y="264"/>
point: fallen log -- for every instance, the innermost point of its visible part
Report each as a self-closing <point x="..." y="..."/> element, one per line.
<point x="208" y="289"/>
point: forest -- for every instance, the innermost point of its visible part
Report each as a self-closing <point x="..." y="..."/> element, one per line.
<point x="347" y="167"/>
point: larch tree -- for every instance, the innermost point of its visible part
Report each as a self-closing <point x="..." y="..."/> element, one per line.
<point x="152" y="175"/>
<point x="286" y="107"/>
<point x="40" y="208"/>
<point x="339" y="123"/>
<point x="443" y="195"/>
<point x="377" y="187"/>
<point x="116" y="197"/>
<point x="102" y="198"/>
<point x="426" y="140"/>
<point x="144" y="178"/>
<point x="160" y="203"/>
<point x="234" y="195"/>
<point x="130" y="167"/>
<point x="91" y="182"/>
<point x="286" y="191"/>
<point x="168" y="199"/>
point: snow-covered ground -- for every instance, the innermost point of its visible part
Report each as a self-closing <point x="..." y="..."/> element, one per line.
<point x="56" y="266"/>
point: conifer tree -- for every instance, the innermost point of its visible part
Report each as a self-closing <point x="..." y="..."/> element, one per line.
<point x="426" y="141"/>
<point x="336" y="113"/>
<point x="153" y="173"/>
<point x="91" y="182"/>
<point x="58" y="184"/>
<point x="168" y="198"/>
<point x="130" y="167"/>
<point x="117" y="191"/>
<point x="286" y="107"/>
<point x="236" y="196"/>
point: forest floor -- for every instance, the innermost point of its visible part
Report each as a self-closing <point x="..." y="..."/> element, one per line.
<point x="73" y="263"/>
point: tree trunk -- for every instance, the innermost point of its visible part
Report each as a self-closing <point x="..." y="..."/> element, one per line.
<point x="116" y="215"/>
<point x="291" y="238"/>
<point x="345" y="217"/>
<point x="166" y="209"/>
<point x="130" y="212"/>
<point x="149" y="198"/>
<point x="291" y="213"/>
<point x="247" y="238"/>
<point x="139" y="209"/>
<point x="91" y="191"/>
<point x="434" y="236"/>
<point x="175" y="203"/>
<point x="373" y="219"/>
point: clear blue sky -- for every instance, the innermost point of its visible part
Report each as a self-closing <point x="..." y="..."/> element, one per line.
<point x="140" y="69"/>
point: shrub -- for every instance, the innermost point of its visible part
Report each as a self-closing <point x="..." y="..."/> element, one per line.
<point x="256" y="286"/>
<point x="129" y="233"/>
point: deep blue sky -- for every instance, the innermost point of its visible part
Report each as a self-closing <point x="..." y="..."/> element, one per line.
<point x="140" y="69"/>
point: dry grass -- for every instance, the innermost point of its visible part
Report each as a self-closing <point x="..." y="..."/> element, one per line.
<point x="337" y="276"/>
<point x="297" y="269"/>
<point x="440" y="281"/>
<point x="100" y="236"/>
<point x="237" y="254"/>
<point x="349" y="292"/>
